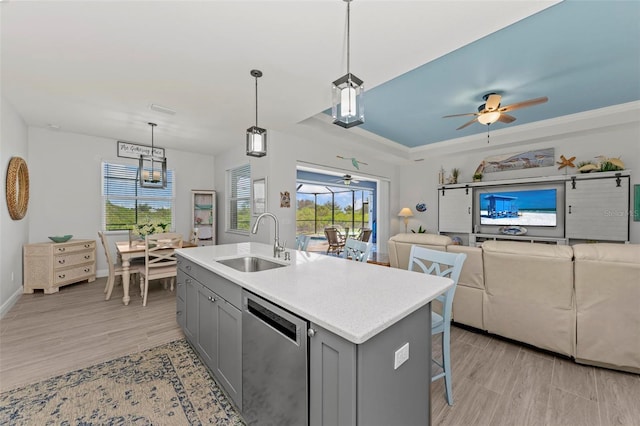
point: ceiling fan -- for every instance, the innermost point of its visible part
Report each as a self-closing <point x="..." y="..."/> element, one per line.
<point x="491" y="111"/>
<point x="347" y="179"/>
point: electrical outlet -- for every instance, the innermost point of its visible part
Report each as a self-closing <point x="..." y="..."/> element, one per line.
<point x="401" y="356"/>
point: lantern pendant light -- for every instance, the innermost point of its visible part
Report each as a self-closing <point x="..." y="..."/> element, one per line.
<point x="348" y="92"/>
<point x="256" y="136"/>
<point x="152" y="170"/>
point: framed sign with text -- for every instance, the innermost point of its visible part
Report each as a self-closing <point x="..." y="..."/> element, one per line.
<point x="134" y="150"/>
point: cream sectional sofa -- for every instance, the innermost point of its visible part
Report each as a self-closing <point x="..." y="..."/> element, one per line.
<point x="581" y="301"/>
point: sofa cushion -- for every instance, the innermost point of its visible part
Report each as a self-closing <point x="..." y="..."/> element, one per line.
<point x="607" y="285"/>
<point x="529" y="294"/>
<point x="399" y="246"/>
<point x="472" y="274"/>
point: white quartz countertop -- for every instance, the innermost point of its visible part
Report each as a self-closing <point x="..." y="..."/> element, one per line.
<point x="351" y="299"/>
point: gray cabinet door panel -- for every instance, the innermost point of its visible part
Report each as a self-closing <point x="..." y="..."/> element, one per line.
<point x="332" y="379"/>
<point x="191" y="305"/>
<point x="207" y="326"/>
<point x="229" y="356"/>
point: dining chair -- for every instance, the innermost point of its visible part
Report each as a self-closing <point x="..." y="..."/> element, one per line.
<point x="336" y="243"/>
<point x="302" y="242"/>
<point x="449" y="265"/>
<point x="356" y="250"/>
<point x="115" y="267"/>
<point x="160" y="260"/>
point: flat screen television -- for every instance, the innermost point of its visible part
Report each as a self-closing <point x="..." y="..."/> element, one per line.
<point x="536" y="207"/>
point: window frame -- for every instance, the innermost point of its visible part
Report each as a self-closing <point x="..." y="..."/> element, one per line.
<point x="244" y="171"/>
<point x="138" y="198"/>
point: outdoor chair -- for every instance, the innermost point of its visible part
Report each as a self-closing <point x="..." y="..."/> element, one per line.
<point x="364" y="235"/>
<point x="336" y="243"/>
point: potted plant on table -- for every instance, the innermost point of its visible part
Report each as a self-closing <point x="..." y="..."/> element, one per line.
<point x="477" y="177"/>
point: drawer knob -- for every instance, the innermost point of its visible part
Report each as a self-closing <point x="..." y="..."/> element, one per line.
<point x="87" y="245"/>
<point x="61" y="249"/>
<point x="87" y="269"/>
<point x="62" y="275"/>
<point x="61" y="261"/>
<point x="86" y="256"/>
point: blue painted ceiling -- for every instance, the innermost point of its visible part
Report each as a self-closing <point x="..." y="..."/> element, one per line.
<point x="582" y="55"/>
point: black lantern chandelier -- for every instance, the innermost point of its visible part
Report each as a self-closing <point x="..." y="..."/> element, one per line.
<point x="348" y="92"/>
<point x="152" y="170"/>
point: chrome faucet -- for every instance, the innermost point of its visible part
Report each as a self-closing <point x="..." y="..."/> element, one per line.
<point x="277" y="248"/>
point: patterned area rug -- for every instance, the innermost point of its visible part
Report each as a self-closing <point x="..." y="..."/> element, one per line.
<point x="166" y="385"/>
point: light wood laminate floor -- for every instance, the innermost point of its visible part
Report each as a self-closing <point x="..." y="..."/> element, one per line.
<point x="495" y="382"/>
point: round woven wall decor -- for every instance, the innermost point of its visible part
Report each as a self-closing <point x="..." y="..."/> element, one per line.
<point x="17" y="188"/>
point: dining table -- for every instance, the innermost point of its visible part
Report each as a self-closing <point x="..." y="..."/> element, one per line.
<point x="128" y="251"/>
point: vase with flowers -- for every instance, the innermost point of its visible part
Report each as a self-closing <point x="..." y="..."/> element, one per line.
<point x="150" y="228"/>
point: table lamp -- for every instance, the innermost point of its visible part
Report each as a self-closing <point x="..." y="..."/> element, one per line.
<point x="406" y="213"/>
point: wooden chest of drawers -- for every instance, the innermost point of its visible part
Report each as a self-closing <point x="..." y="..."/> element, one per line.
<point x="49" y="266"/>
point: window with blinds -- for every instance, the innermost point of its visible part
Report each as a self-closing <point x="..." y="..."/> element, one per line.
<point x="239" y="198"/>
<point x="126" y="204"/>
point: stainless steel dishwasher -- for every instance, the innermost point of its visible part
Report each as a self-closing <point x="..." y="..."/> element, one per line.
<point x="274" y="364"/>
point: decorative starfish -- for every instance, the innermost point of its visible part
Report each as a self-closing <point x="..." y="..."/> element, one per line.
<point x="355" y="162"/>
<point x="565" y="163"/>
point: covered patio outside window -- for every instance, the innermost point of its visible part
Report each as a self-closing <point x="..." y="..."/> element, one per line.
<point x="319" y="206"/>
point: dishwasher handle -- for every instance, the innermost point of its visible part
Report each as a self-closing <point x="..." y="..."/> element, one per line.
<point x="276" y="320"/>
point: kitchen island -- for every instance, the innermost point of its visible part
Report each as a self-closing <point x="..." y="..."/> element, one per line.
<point x="370" y="341"/>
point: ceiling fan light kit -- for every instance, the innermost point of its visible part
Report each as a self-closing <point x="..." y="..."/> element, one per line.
<point x="152" y="170"/>
<point x="347" y="107"/>
<point x="256" y="136"/>
<point x="491" y="111"/>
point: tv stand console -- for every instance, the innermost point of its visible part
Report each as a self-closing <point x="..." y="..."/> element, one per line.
<point x="478" y="239"/>
<point x="590" y="207"/>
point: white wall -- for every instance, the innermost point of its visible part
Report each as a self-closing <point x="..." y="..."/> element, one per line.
<point x="66" y="194"/>
<point x="312" y="143"/>
<point x="612" y="132"/>
<point x="14" y="233"/>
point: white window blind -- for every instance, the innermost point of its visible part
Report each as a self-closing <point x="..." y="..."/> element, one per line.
<point x="239" y="198"/>
<point x="126" y="204"/>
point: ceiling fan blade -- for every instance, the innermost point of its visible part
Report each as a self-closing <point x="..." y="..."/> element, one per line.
<point x="524" y="104"/>
<point x="506" y="118"/>
<point x="468" y="123"/>
<point x="461" y="115"/>
<point x="493" y="102"/>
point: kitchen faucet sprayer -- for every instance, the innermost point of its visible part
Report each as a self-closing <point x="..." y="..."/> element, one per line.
<point x="277" y="248"/>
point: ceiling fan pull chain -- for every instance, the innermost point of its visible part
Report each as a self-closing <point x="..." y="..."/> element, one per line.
<point x="488" y="133"/>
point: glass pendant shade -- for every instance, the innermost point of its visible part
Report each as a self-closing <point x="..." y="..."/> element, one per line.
<point x="256" y="141"/>
<point x="348" y="106"/>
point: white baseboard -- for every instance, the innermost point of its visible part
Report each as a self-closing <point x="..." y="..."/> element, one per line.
<point x="6" y="306"/>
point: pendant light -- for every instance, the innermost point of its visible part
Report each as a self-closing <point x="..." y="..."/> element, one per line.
<point x="152" y="171"/>
<point x="256" y="136"/>
<point x="348" y="91"/>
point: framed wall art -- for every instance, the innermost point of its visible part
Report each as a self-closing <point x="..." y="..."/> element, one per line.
<point x="259" y="193"/>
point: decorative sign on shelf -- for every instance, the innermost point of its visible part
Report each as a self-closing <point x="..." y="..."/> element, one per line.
<point x="134" y="150"/>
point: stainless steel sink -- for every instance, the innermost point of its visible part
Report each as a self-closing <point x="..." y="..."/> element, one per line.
<point x="250" y="264"/>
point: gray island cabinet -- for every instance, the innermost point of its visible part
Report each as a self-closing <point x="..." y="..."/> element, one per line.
<point x="367" y="330"/>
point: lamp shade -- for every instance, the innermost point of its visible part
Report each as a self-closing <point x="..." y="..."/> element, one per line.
<point x="405" y="212"/>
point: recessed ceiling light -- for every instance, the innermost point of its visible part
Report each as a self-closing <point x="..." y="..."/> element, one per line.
<point x="162" y="109"/>
<point x="53" y="126"/>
